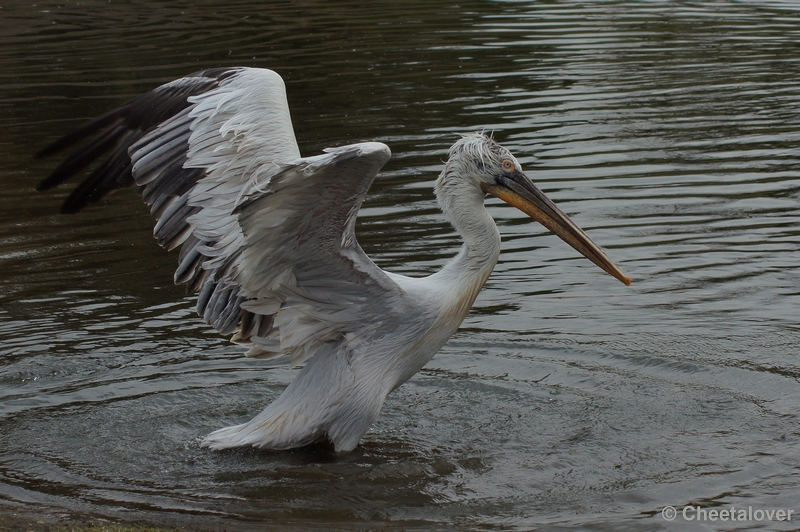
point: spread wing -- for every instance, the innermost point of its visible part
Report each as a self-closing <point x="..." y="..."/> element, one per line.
<point x="116" y="130"/>
<point x="267" y="237"/>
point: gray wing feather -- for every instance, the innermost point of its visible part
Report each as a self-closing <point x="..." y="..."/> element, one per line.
<point x="301" y="262"/>
<point x="267" y="237"/>
<point x="195" y="166"/>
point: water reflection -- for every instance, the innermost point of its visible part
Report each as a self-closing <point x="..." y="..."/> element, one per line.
<point x="667" y="130"/>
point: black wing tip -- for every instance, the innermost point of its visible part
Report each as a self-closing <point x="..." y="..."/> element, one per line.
<point x="50" y="149"/>
<point x="61" y="143"/>
<point x="80" y="198"/>
<point x="138" y="115"/>
<point x="71" y="208"/>
<point x="105" y="119"/>
<point x="66" y="140"/>
<point x="52" y="181"/>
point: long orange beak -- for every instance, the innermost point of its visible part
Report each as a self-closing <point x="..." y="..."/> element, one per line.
<point x="517" y="190"/>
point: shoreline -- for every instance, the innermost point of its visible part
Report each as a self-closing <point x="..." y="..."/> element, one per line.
<point x="24" y="521"/>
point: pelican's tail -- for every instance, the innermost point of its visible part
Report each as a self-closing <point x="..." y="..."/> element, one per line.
<point x="278" y="427"/>
<point x="287" y="425"/>
<point x="326" y="401"/>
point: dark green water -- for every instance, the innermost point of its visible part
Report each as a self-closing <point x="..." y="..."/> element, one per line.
<point x="668" y="130"/>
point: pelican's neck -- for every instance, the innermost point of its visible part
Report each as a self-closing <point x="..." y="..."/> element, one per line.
<point x="463" y="204"/>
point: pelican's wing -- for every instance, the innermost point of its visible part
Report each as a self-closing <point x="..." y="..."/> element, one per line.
<point x="267" y="237"/>
<point x="117" y="130"/>
<point x="301" y="265"/>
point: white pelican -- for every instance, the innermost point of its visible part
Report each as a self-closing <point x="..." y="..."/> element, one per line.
<point x="267" y="241"/>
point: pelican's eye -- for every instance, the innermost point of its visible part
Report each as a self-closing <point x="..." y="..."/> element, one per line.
<point x="508" y="165"/>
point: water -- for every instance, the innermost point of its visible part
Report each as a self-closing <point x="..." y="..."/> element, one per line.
<point x="667" y="130"/>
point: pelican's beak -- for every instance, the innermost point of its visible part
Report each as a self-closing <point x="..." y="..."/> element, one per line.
<point x="517" y="190"/>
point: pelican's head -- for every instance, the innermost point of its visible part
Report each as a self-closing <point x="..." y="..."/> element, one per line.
<point x="477" y="161"/>
<point x="477" y="158"/>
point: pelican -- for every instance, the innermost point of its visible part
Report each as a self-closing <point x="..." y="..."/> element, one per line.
<point x="267" y="242"/>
